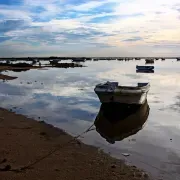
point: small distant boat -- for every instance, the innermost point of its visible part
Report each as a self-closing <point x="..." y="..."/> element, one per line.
<point x="54" y="61"/>
<point x="120" y="59"/>
<point x="156" y="59"/>
<point x="137" y="58"/>
<point x="78" y="60"/>
<point x="163" y="59"/>
<point x="144" y="67"/>
<point x="111" y="92"/>
<point x="34" y="61"/>
<point x="8" y="61"/>
<point x="149" y="61"/>
<point x="88" y="59"/>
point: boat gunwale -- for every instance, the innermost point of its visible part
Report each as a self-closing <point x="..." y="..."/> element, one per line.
<point x="120" y="88"/>
<point x="138" y="67"/>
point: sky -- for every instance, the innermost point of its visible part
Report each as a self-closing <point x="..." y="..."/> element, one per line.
<point x="89" y="28"/>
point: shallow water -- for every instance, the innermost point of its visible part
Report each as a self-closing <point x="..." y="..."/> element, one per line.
<point x="66" y="99"/>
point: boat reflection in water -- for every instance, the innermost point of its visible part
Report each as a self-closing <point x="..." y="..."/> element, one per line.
<point x="116" y="121"/>
<point x="144" y="71"/>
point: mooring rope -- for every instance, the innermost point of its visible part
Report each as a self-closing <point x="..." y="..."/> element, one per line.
<point x="62" y="146"/>
<point x="56" y="149"/>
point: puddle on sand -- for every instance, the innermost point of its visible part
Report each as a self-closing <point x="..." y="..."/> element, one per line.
<point x="66" y="99"/>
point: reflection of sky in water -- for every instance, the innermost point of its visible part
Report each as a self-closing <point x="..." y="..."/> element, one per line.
<point x="66" y="98"/>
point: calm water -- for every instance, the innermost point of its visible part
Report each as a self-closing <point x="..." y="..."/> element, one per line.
<point x="66" y="99"/>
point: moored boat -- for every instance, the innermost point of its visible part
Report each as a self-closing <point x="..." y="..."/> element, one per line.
<point x="126" y="59"/>
<point x="88" y="59"/>
<point x="54" y="61"/>
<point x="95" y="59"/>
<point x="120" y="59"/>
<point x="78" y="60"/>
<point x="111" y="92"/>
<point x="149" y="61"/>
<point x="144" y="67"/>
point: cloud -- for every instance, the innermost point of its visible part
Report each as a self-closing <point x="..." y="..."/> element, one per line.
<point x="11" y="2"/>
<point x="2" y="39"/>
<point x="74" y="25"/>
<point x="88" y="6"/>
<point x="10" y="25"/>
<point x="134" y="39"/>
<point x="14" y="12"/>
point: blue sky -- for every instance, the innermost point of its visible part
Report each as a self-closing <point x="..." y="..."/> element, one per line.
<point x="89" y="28"/>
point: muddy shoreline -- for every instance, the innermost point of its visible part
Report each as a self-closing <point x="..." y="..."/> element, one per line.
<point x="25" y="67"/>
<point x="36" y="150"/>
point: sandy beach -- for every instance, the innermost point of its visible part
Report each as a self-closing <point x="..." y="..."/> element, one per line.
<point x="35" y="150"/>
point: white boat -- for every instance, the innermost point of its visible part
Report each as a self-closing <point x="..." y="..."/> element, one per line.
<point x="111" y="92"/>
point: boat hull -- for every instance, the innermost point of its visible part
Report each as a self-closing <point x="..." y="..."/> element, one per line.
<point x="139" y="98"/>
<point x="144" y="67"/>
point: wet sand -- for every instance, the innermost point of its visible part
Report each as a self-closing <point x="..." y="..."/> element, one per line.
<point x="35" y="150"/>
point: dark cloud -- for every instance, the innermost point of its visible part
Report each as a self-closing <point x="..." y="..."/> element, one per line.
<point x="134" y="39"/>
<point x="2" y="39"/>
<point x="10" y="25"/>
<point x="11" y="2"/>
<point x="35" y="35"/>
